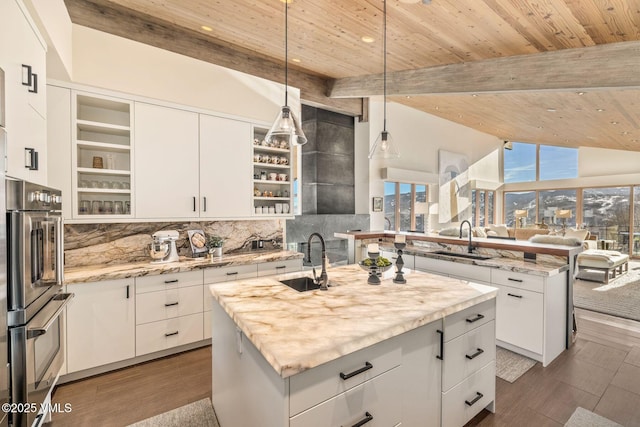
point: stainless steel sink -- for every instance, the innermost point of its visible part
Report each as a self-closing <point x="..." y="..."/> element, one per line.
<point x="462" y="255"/>
<point x="301" y="284"/>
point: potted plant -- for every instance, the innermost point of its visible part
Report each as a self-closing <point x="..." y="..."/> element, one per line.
<point x="214" y="243"/>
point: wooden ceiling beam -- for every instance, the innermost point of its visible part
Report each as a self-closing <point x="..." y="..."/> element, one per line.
<point x="111" y="18"/>
<point x="608" y="66"/>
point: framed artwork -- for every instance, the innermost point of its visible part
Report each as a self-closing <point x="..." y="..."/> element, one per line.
<point x="377" y="204"/>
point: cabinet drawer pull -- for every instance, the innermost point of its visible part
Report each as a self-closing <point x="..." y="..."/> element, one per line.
<point x="367" y="417"/>
<point x="475" y="319"/>
<point x="35" y="84"/>
<point x="474" y="355"/>
<point x="171" y="334"/>
<point x="441" y="355"/>
<point x="280" y="267"/>
<point x="171" y="281"/>
<point x="204" y="202"/>
<point x="514" y="295"/>
<point x="515" y="280"/>
<point x="475" y="399"/>
<point x="366" y="367"/>
<point x="171" y="304"/>
<point x="194" y="203"/>
<point x="232" y="273"/>
<point x="128" y="291"/>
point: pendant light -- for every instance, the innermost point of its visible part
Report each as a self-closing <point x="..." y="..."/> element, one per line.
<point x="286" y="126"/>
<point x="383" y="148"/>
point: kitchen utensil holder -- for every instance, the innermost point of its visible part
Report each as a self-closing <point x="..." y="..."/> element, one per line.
<point x="399" y="264"/>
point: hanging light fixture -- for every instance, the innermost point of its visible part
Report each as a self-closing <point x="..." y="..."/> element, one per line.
<point x="286" y="126"/>
<point x="383" y="148"/>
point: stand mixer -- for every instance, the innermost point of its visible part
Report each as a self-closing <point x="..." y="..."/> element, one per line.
<point x="163" y="248"/>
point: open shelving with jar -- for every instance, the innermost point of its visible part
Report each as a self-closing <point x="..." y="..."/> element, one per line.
<point x="272" y="182"/>
<point x="102" y="157"/>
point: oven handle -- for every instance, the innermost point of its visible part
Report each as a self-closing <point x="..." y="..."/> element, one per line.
<point x="59" y="251"/>
<point x="43" y="320"/>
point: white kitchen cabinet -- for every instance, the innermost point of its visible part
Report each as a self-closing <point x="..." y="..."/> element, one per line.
<point x="279" y="267"/>
<point x="400" y="383"/>
<point x="23" y="59"/>
<point x="531" y="313"/>
<point x="166" y="162"/>
<point x="100" y="324"/>
<point x="222" y="274"/>
<point x="468" y="368"/>
<point x="58" y="145"/>
<point x="168" y="310"/>
<point x="225" y="168"/>
<point x="459" y="270"/>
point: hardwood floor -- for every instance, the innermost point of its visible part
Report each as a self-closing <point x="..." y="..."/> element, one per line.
<point x="600" y="372"/>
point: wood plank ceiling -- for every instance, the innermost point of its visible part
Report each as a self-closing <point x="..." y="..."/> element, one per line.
<point x="326" y="50"/>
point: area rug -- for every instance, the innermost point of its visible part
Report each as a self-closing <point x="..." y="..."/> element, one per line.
<point x="510" y="366"/>
<point x="196" y="414"/>
<point x="619" y="297"/>
<point x="584" y="418"/>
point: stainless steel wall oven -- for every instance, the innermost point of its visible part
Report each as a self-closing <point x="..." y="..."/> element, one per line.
<point x="35" y="298"/>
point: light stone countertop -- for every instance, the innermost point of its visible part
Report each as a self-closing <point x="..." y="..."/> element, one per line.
<point x="96" y="273"/>
<point x="502" y="262"/>
<point x="296" y="331"/>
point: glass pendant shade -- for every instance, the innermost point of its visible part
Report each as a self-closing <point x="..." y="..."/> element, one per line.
<point x="286" y="127"/>
<point x="384" y="147"/>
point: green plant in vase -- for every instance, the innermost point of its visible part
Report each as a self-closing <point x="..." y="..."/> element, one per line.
<point x="214" y="243"/>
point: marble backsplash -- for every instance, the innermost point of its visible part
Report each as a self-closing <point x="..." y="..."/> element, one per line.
<point x="120" y="243"/>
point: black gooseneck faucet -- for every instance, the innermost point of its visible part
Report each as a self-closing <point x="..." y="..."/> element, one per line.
<point x="470" y="247"/>
<point x="323" y="280"/>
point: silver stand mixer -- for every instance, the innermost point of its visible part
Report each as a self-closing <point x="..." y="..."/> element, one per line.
<point x="163" y="248"/>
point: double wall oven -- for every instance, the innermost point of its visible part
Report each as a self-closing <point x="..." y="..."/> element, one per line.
<point x="35" y="297"/>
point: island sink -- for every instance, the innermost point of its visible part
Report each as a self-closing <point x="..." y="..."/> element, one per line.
<point x="462" y="255"/>
<point x="301" y="284"/>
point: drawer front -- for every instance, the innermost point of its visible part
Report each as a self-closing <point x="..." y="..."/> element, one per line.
<point x="460" y="270"/>
<point x="161" y="305"/>
<point x="310" y="387"/>
<point x="520" y="318"/>
<point x="468" y="319"/>
<point x="225" y="274"/>
<point x="168" y="281"/>
<point x="456" y="411"/>
<point x="378" y="399"/>
<point x="518" y="280"/>
<point x="468" y="353"/>
<point x="165" y="334"/>
<point x="279" y="267"/>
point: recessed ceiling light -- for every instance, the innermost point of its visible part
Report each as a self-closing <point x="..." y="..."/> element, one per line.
<point x="580" y="93"/>
<point x="295" y="59"/>
<point x="539" y="127"/>
<point x="408" y="96"/>
<point x="600" y="110"/>
<point x="367" y="39"/>
<point x="551" y="110"/>
<point x="625" y="133"/>
<point x="205" y="28"/>
<point x="614" y="123"/>
<point x="475" y="95"/>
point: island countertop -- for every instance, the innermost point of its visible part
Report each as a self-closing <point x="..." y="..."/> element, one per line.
<point x="296" y="331"/>
<point x="96" y="273"/>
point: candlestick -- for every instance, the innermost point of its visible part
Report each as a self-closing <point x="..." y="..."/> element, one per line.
<point x="400" y="238"/>
<point x="373" y="248"/>
<point x="399" y="263"/>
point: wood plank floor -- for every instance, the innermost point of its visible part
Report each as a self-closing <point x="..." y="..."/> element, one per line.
<point x="601" y="373"/>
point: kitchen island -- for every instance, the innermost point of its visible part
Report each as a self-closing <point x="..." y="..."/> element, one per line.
<point x="338" y="357"/>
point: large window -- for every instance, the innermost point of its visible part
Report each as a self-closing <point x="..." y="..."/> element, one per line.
<point x="526" y="163"/>
<point x="482" y="208"/>
<point x="521" y="200"/>
<point x="405" y="206"/>
<point x="636" y="221"/>
<point x="606" y="214"/>
<point x="550" y="201"/>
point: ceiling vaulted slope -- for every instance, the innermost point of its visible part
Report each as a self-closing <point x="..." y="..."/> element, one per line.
<point x="562" y="72"/>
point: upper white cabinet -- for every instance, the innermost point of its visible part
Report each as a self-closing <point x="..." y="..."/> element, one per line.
<point x="23" y="59"/>
<point x="166" y="164"/>
<point x="191" y="165"/>
<point x="225" y="167"/>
